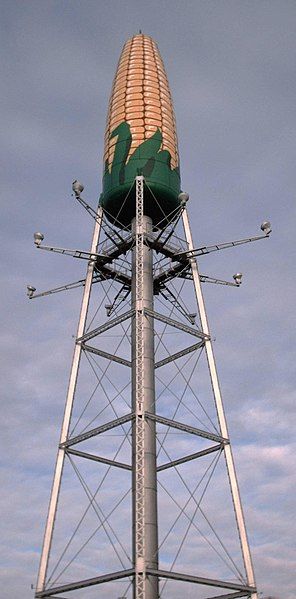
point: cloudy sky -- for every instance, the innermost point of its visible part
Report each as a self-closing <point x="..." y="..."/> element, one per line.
<point x="231" y="67"/>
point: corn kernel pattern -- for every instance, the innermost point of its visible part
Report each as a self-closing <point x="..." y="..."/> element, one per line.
<point x="141" y="97"/>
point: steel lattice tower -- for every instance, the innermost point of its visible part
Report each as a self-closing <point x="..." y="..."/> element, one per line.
<point x="143" y="258"/>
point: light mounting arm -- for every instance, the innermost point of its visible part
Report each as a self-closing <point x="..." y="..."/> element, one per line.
<point x="237" y="280"/>
<point x="266" y="227"/>
<point x="32" y="295"/>
<point x="74" y="253"/>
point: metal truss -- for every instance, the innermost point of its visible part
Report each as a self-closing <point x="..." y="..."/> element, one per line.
<point x="48" y="535"/>
<point x="82" y="584"/>
<point x="179" y="354"/>
<point x="139" y="430"/>
<point x="186" y="428"/>
<point x="141" y="280"/>
<point x="220" y="409"/>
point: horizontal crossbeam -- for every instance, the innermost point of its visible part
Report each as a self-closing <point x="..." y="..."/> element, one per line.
<point x="188" y="458"/>
<point x="186" y="428"/>
<point x="179" y="354"/>
<point x="105" y="327"/>
<point x="104" y="354"/>
<point x="98" y="430"/>
<point x="200" y="580"/>
<point x="82" y="584"/>
<point x="175" y="323"/>
<point x="95" y="458"/>
<point x="235" y="595"/>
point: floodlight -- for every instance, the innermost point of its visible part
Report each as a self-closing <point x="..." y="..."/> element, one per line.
<point x="238" y="278"/>
<point x="108" y="308"/>
<point x="38" y="237"/>
<point x="77" y="187"/>
<point x="192" y="317"/>
<point x="183" y="197"/>
<point x="266" y="227"/>
<point x="30" y="291"/>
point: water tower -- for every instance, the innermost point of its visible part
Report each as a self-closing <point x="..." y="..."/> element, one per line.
<point x="143" y="336"/>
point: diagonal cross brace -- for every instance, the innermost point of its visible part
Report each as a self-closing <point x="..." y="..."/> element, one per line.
<point x="188" y="458"/>
<point x="82" y="584"/>
<point x="175" y="323"/>
<point x="98" y="430"/>
<point x="186" y="428"/>
<point x="200" y="580"/>
<point x="106" y="355"/>
<point x="179" y="354"/>
<point x="95" y="458"/>
<point x="105" y="327"/>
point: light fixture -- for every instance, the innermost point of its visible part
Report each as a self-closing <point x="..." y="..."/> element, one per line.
<point x="38" y="237"/>
<point x="30" y="291"/>
<point x="266" y="227"/>
<point x="238" y="278"/>
<point x="108" y="309"/>
<point x="77" y="187"/>
<point x="183" y="197"/>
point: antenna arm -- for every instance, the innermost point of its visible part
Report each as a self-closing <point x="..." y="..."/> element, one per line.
<point x="214" y="248"/>
<point x="66" y="287"/>
<point x="206" y="279"/>
<point x="76" y="253"/>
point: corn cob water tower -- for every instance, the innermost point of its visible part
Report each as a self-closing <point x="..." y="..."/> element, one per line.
<point x="144" y="433"/>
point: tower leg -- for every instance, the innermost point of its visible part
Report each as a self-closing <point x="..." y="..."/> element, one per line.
<point x="145" y="538"/>
<point x="221" y="415"/>
<point x="53" y="504"/>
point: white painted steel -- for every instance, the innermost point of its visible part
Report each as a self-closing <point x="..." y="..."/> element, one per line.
<point x="144" y="467"/>
<point x="41" y="581"/>
<point x="145" y="538"/>
<point x="220" y="412"/>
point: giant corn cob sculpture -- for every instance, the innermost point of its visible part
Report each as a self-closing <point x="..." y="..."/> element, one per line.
<point x="140" y="136"/>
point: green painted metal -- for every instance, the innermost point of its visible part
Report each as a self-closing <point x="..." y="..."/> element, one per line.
<point x="162" y="182"/>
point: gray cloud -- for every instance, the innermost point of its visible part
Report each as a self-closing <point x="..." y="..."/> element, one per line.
<point x="231" y="69"/>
